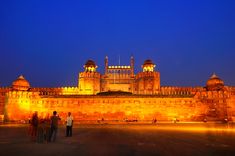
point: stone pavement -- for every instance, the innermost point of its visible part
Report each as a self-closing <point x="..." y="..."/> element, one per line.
<point x="127" y="139"/>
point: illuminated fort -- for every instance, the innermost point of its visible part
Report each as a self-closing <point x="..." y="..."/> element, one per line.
<point x="119" y="94"/>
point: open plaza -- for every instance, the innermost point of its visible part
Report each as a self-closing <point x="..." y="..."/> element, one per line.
<point x="125" y="139"/>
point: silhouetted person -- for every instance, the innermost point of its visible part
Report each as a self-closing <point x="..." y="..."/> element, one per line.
<point x="34" y="125"/>
<point x="154" y="121"/>
<point x="47" y="129"/>
<point x="54" y="126"/>
<point x="69" y="125"/>
<point x="205" y="120"/>
<point x="40" y="131"/>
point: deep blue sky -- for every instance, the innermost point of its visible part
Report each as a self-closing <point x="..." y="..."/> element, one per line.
<point x="49" y="41"/>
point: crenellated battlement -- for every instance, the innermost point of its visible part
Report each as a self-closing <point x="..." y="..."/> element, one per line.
<point x="147" y="74"/>
<point x="57" y="91"/>
<point x="89" y="75"/>
<point x="177" y="90"/>
<point x="212" y="94"/>
<point x="22" y="94"/>
<point x="231" y="89"/>
<point x="5" y="89"/>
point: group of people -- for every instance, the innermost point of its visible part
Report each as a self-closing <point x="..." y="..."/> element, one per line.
<point x="45" y="129"/>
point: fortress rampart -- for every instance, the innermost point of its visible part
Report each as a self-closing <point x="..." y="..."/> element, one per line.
<point x="120" y="95"/>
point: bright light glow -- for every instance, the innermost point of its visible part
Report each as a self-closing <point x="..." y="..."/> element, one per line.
<point x="192" y="127"/>
<point x="69" y="91"/>
<point x="90" y="69"/>
<point x="24" y="104"/>
<point x="149" y="68"/>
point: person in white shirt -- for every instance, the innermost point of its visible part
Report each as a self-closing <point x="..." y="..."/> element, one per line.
<point x="69" y="125"/>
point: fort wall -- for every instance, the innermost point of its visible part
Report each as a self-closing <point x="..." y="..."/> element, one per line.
<point x="184" y="106"/>
<point x="3" y="91"/>
<point x="20" y="105"/>
<point x="132" y="97"/>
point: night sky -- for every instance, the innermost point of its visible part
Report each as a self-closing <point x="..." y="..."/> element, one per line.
<point x="49" y="41"/>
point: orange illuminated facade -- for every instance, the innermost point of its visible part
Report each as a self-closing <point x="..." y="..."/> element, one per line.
<point x="120" y="95"/>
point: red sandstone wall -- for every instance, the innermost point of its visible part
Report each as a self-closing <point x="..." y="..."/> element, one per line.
<point x="148" y="82"/>
<point x="20" y="105"/>
<point x="89" y="83"/>
<point x="231" y="106"/>
<point x="3" y="92"/>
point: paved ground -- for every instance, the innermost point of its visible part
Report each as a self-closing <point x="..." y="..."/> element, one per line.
<point x="128" y="139"/>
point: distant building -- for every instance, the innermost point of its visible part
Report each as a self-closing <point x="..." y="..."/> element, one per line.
<point x="120" y="95"/>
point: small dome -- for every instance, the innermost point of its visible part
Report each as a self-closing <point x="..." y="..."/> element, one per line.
<point x="148" y="62"/>
<point x="90" y="63"/>
<point x="214" y="83"/>
<point x="20" y="84"/>
<point x="90" y="66"/>
<point x="148" y="66"/>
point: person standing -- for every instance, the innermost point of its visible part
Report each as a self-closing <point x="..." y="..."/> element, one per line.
<point x="54" y="126"/>
<point x="40" y="131"/>
<point x="34" y="125"/>
<point x="47" y="129"/>
<point x="69" y="125"/>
